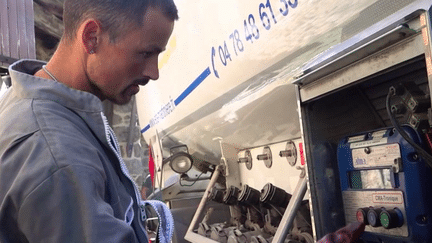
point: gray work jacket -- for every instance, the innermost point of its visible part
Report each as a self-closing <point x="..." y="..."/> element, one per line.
<point x="61" y="175"/>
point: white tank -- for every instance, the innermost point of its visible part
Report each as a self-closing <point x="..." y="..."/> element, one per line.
<point x="228" y="69"/>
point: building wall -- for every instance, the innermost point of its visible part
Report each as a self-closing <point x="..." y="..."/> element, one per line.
<point x="17" y="35"/>
<point x="136" y="160"/>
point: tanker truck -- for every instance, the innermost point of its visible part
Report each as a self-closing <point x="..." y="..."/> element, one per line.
<point x="285" y="120"/>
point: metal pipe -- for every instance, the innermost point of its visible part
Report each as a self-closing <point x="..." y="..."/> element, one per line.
<point x="194" y="237"/>
<point x="190" y="235"/>
<point x="291" y="211"/>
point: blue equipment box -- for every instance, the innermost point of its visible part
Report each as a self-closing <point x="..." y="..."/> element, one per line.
<point x="386" y="185"/>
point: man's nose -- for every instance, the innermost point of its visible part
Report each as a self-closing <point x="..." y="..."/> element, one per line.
<point x="151" y="70"/>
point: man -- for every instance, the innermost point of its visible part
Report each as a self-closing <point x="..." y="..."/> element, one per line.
<point x="61" y="175"/>
<point x="349" y="233"/>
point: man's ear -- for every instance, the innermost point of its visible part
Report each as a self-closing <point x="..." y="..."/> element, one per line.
<point x="91" y="35"/>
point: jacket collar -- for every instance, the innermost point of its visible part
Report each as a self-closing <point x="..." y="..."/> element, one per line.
<point x="88" y="106"/>
<point x="28" y="86"/>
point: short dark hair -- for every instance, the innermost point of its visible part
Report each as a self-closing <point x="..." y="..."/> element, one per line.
<point x="115" y="16"/>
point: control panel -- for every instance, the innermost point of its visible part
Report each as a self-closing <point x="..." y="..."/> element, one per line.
<point x="385" y="184"/>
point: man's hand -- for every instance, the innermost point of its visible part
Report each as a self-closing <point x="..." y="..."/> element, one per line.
<point x="349" y="233"/>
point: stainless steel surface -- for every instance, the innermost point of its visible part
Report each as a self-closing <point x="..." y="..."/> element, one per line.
<point x="377" y="62"/>
<point x="190" y="235"/>
<point x="291" y="211"/>
<point x="196" y="238"/>
<point x="355" y="52"/>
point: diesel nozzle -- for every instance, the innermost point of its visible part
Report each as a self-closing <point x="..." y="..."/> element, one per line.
<point x="273" y="195"/>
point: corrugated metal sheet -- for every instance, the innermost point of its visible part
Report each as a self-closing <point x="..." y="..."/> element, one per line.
<point x="17" y="36"/>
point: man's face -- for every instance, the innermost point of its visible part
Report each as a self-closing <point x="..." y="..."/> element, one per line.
<point x="117" y="69"/>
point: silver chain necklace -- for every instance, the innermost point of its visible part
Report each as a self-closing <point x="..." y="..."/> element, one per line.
<point x="50" y="74"/>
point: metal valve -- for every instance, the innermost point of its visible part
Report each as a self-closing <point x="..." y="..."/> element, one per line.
<point x="266" y="156"/>
<point x="290" y="153"/>
<point x="247" y="159"/>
